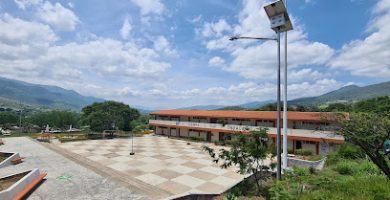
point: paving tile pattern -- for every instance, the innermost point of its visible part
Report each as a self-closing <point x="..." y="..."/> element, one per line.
<point x="169" y="164"/>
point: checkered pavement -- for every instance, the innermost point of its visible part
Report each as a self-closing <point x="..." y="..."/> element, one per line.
<point x="168" y="164"/>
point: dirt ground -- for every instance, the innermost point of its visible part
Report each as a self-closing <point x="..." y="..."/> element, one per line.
<point x="9" y="181"/>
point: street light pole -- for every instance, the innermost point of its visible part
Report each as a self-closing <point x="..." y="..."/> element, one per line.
<point x="285" y="139"/>
<point x="278" y="131"/>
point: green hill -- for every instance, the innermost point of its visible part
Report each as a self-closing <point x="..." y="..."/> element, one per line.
<point x="12" y="92"/>
<point x="346" y="94"/>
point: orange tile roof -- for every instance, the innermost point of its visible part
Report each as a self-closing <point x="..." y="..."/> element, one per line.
<point x="309" y="116"/>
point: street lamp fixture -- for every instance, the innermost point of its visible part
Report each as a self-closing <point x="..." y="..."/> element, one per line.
<point x="278" y="16"/>
<point x="250" y="38"/>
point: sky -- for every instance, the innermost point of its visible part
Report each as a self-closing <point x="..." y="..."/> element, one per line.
<point x="159" y="54"/>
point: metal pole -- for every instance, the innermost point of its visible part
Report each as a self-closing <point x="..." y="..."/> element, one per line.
<point x="285" y="148"/>
<point x="278" y="136"/>
<point x="20" y="118"/>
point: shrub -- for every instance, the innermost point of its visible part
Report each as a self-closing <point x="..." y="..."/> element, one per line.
<point x="300" y="171"/>
<point x="303" y="152"/>
<point x="312" y="170"/>
<point x="278" y="191"/>
<point x="350" y="151"/>
<point x="290" y="150"/>
<point x="347" y="168"/>
<point x="332" y="158"/>
<point x="368" y="168"/>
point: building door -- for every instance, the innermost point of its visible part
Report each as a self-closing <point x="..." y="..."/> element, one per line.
<point x="208" y="136"/>
<point x="298" y="144"/>
<point x="221" y="136"/>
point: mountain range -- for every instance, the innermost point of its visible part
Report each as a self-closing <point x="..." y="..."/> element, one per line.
<point x="13" y="93"/>
<point x="348" y="93"/>
<point x="42" y="95"/>
<point x="250" y="105"/>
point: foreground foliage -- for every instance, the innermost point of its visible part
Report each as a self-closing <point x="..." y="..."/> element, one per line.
<point x="248" y="152"/>
<point x="369" y="131"/>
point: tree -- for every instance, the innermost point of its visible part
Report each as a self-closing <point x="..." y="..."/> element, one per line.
<point x="7" y="118"/>
<point x="248" y="152"/>
<point x="369" y="131"/>
<point x="109" y="115"/>
<point x="141" y="122"/>
<point x="57" y="119"/>
<point x="338" y="107"/>
<point x="379" y="105"/>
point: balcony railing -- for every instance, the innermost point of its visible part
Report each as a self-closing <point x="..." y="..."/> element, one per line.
<point x="243" y="128"/>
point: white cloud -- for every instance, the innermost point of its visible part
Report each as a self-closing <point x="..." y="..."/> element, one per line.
<point x="161" y="44"/>
<point x="239" y="93"/>
<point x="257" y="60"/>
<point x="196" y="19"/>
<point x="305" y="74"/>
<point x="28" y="51"/>
<point x="126" y="28"/>
<point x="20" y="40"/>
<point x="217" y="61"/>
<point x="369" y="56"/>
<point x="57" y="16"/>
<point x="150" y="6"/>
<point x="215" y="29"/>
<point x="23" y="4"/>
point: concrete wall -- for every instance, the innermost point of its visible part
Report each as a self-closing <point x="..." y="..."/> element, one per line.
<point x="311" y="147"/>
<point x="214" y="136"/>
<point x="12" y="191"/>
<point x="174" y="132"/>
<point x="305" y="163"/>
<point x="184" y="132"/>
<point x="7" y="161"/>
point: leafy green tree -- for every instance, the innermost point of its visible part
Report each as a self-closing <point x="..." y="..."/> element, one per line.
<point x="379" y="105"/>
<point x="142" y="122"/>
<point x="338" y="107"/>
<point x="140" y="128"/>
<point x="57" y="119"/>
<point x="109" y="115"/>
<point x="369" y="131"/>
<point x="248" y="152"/>
<point x="8" y="118"/>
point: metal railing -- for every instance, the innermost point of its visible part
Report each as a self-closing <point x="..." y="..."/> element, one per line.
<point x="243" y="128"/>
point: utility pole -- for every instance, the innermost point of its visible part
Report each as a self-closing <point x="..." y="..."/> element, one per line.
<point x="285" y="139"/>
<point x="20" y="118"/>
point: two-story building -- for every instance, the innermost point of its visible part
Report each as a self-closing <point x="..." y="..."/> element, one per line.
<point x="306" y="130"/>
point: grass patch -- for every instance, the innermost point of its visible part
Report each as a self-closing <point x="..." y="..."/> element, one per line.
<point x="2" y="158"/>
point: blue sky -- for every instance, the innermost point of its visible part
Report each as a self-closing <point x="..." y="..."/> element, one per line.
<point x="168" y="54"/>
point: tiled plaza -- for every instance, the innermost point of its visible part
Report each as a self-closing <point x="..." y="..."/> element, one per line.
<point x="162" y="163"/>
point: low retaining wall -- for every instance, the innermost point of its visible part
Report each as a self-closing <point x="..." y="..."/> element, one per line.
<point x="17" y="187"/>
<point x="305" y="163"/>
<point x="7" y="161"/>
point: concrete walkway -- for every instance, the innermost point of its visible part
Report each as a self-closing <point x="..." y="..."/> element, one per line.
<point x="66" y="179"/>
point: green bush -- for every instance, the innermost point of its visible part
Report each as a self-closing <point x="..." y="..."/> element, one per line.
<point x="332" y="158"/>
<point x="290" y="150"/>
<point x="300" y="171"/>
<point x="278" y="191"/>
<point x="303" y="152"/>
<point x="347" y="168"/>
<point x="366" y="167"/>
<point x="350" y="151"/>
